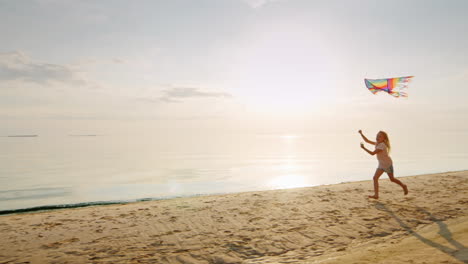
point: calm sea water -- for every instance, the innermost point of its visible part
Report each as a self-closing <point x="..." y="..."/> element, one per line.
<point x="46" y="170"/>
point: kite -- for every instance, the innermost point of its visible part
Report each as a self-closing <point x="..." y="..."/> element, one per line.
<point x="394" y="86"/>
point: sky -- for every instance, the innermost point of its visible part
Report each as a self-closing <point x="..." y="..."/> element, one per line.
<point x="230" y="66"/>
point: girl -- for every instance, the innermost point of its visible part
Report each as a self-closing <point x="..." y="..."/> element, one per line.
<point x="382" y="148"/>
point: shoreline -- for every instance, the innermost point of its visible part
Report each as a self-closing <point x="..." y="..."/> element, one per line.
<point x="54" y="207"/>
<point x="322" y="224"/>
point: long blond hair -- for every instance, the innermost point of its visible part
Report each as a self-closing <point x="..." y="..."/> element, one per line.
<point x="386" y="140"/>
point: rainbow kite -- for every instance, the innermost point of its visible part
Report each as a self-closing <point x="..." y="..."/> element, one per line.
<point x="394" y="86"/>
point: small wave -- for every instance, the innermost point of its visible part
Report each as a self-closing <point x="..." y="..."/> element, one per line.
<point x="70" y="206"/>
<point x="78" y="205"/>
<point x="87" y="204"/>
<point x="55" y="207"/>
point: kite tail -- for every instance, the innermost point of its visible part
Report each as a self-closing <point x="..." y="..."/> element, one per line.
<point x="402" y="86"/>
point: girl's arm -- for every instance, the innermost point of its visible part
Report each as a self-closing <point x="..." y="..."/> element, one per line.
<point x="370" y="152"/>
<point x="365" y="139"/>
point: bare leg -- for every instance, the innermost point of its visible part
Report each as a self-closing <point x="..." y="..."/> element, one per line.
<point x="377" y="175"/>
<point x="395" y="180"/>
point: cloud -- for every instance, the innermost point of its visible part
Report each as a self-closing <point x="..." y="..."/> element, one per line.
<point x="257" y="3"/>
<point x="17" y="66"/>
<point x="174" y="94"/>
<point x="118" y="61"/>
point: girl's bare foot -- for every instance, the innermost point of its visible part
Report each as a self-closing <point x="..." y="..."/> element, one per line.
<point x="374" y="196"/>
<point x="405" y="189"/>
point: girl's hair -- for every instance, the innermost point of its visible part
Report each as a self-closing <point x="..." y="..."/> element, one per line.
<point x="386" y="140"/>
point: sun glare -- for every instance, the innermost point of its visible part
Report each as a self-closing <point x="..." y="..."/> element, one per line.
<point x="290" y="173"/>
<point x="289" y="137"/>
<point x="288" y="181"/>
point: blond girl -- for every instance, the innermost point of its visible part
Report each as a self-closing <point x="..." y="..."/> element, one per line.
<point x="382" y="149"/>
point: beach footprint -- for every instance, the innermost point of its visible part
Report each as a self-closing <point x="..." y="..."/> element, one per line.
<point x="58" y="244"/>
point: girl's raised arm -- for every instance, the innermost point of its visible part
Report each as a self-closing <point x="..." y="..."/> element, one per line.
<point x="365" y="139"/>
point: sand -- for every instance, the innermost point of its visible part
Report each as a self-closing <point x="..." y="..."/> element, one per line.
<point x="325" y="224"/>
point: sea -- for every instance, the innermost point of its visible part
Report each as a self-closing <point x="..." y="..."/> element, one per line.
<point x="41" y="172"/>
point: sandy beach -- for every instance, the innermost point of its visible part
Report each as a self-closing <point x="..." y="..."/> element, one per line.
<point x="325" y="224"/>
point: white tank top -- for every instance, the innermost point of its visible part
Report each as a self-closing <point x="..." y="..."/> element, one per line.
<point x="384" y="159"/>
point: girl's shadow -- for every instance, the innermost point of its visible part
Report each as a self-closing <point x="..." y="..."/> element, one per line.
<point x="460" y="252"/>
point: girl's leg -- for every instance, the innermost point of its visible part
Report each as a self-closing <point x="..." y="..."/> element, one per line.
<point x="395" y="180"/>
<point x="377" y="175"/>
